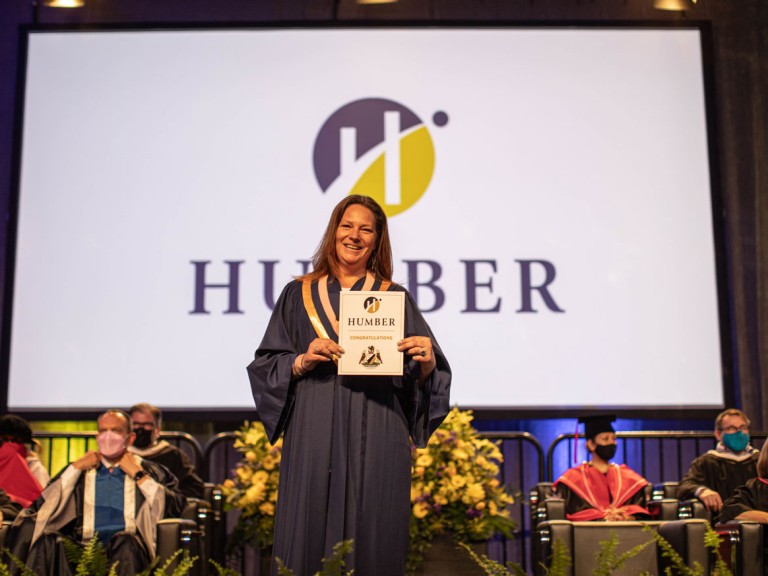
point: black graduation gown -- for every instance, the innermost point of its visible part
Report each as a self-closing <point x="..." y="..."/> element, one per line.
<point x="718" y="473"/>
<point x="751" y="496"/>
<point x="346" y="463"/>
<point x="190" y="484"/>
<point x="8" y="507"/>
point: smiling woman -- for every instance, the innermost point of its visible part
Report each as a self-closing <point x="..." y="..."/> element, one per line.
<point x="355" y="242"/>
<point x="345" y="471"/>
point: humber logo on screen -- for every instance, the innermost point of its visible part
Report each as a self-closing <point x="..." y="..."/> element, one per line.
<point x="378" y="148"/>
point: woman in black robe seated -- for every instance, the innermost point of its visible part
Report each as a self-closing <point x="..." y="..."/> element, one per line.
<point x="750" y="501"/>
<point x="346" y="463"/>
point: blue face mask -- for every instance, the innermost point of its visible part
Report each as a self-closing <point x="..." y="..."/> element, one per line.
<point x="737" y="441"/>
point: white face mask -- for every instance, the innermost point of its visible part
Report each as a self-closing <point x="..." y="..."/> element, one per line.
<point x="111" y="444"/>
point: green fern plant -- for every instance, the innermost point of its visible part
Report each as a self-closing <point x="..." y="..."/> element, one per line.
<point x="712" y="541"/>
<point x="609" y="560"/>
<point x="183" y="568"/>
<point x="491" y="567"/>
<point x="333" y="566"/>
<point x="21" y="568"/>
<point x="677" y="566"/>
<point x="221" y="570"/>
<point x="89" y="560"/>
<point x="559" y="563"/>
<point x="676" y="563"/>
<point x="560" y="560"/>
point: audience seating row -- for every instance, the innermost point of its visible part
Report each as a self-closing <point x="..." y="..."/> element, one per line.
<point x="216" y="459"/>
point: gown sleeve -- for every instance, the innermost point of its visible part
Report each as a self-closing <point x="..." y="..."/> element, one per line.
<point x="693" y="480"/>
<point x="270" y="371"/>
<point x="575" y="503"/>
<point x="430" y="401"/>
<point x="745" y="499"/>
<point x="8" y="507"/>
<point x="174" y="500"/>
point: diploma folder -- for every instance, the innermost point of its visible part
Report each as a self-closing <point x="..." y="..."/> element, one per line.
<point x="370" y="326"/>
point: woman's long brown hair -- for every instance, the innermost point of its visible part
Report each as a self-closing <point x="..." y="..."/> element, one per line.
<point x="325" y="260"/>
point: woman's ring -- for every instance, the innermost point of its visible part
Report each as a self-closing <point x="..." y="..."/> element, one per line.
<point x="317" y="349"/>
<point x="423" y="353"/>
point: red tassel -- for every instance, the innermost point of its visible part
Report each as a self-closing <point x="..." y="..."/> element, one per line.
<point x="576" y="445"/>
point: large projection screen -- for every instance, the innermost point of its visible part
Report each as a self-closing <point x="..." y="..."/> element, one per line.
<point x="548" y="192"/>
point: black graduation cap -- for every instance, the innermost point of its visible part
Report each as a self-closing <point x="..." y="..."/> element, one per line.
<point x="594" y="425"/>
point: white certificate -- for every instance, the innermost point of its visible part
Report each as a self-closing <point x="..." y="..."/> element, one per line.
<point x="370" y="325"/>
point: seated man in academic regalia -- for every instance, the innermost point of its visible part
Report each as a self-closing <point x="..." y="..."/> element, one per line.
<point x="598" y="489"/>
<point x="111" y="494"/>
<point x="714" y="476"/>
<point x="147" y="425"/>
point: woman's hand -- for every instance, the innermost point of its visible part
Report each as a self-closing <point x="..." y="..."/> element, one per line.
<point x="320" y="350"/>
<point x="419" y="348"/>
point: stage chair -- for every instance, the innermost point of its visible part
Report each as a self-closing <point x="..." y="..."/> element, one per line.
<point x="583" y="540"/>
<point x="666" y="509"/>
<point x="545" y="504"/>
<point x="180" y="534"/>
<point x="201" y="513"/>
<point x="218" y="539"/>
<point x="693" y="508"/>
<point x="743" y="547"/>
<point x="664" y="490"/>
<point x="666" y="494"/>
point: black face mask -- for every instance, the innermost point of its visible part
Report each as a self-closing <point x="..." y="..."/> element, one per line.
<point x="606" y="451"/>
<point x="143" y="438"/>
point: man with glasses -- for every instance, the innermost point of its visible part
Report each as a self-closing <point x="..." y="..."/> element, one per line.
<point x="714" y="476"/>
<point x="147" y="423"/>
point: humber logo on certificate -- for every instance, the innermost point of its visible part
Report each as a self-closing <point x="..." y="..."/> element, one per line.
<point x="370" y="325"/>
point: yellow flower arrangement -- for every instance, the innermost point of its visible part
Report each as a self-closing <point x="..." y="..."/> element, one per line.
<point x="455" y="488"/>
<point x="253" y="487"/>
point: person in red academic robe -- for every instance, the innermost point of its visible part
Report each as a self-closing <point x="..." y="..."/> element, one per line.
<point x="15" y="476"/>
<point x="599" y="489"/>
<point x="22" y="475"/>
